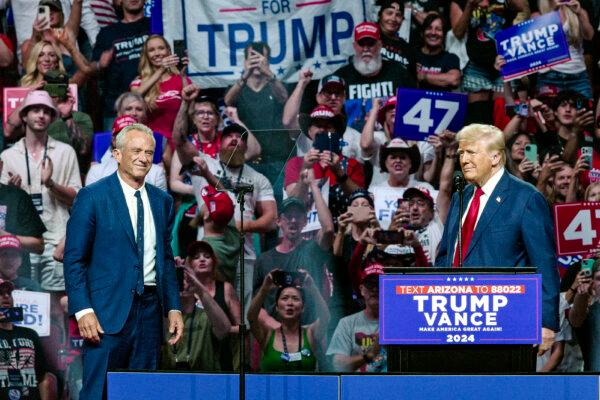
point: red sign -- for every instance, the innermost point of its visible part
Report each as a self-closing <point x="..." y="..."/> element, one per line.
<point x="14" y="96"/>
<point x="577" y="227"/>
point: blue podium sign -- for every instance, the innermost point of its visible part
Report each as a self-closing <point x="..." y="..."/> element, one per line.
<point x="532" y="45"/>
<point x="460" y="309"/>
<point x="420" y="113"/>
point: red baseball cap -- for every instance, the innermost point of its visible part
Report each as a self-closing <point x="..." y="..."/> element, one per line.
<point x="219" y="205"/>
<point x="371" y="271"/>
<point x="420" y="192"/>
<point x="10" y="242"/>
<point x="366" y="30"/>
<point x="390" y="103"/>
<point x="121" y="122"/>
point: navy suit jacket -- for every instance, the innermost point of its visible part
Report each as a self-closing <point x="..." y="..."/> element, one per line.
<point x="514" y="230"/>
<point x="101" y="262"/>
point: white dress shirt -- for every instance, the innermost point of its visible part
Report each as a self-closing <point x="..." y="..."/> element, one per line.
<point x="488" y="189"/>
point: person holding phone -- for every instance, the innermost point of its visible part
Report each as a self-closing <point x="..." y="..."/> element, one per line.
<point x="522" y="158"/>
<point x="291" y="346"/>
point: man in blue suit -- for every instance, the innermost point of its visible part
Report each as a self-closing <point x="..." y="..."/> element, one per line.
<point x="119" y="268"/>
<point x="506" y="220"/>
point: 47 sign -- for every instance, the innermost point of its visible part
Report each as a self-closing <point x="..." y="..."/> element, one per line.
<point x="420" y="113"/>
<point x="577" y="227"/>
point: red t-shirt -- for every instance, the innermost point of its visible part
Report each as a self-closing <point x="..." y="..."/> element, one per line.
<point x="211" y="148"/>
<point x="354" y="170"/>
<point x="162" y="117"/>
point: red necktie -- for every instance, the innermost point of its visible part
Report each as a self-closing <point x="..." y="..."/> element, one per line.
<point x="468" y="226"/>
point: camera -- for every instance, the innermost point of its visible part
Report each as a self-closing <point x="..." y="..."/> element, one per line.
<point x="287" y="278"/>
<point x="389" y="237"/>
<point x="11" y="314"/>
<point x="57" y="84"/>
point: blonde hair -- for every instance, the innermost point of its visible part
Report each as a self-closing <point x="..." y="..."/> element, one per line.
<point x="492" y="137"/>
<point x="32" y="74"/>
<point x="575" y="33"/>
<point x="589" y="189"/>
<point x="146" y="69"/>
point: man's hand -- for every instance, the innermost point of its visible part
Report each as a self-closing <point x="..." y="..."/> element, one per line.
<point x="65" y="107"/>
<point x="14" y="179"/>
<point x="47" y="168"/>
<point x="175" y="326"/>
<point x="547" y="341"/>
<point x="201" y="168"/>
<point x="59" y="251"/>
<point x="304" y="77"/>
<point x="311" y="157"/>
<point x="583" y="118"/>
<point x="90" y="328"/>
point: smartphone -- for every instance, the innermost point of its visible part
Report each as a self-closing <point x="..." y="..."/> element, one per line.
<point x="287" y="278"/>
<point x="179" y="51"/>
<point x="531" y="152"/>
<point x="389" y="237"/>
<point x="327" y="141"/>
<point x="44" y="14"/>
<point x="522" y="109"/>
<point x="586" y="266"/>
<point x="587" y="153"/>
<point x="11" y="314"/>
<point x="360" y="214"/>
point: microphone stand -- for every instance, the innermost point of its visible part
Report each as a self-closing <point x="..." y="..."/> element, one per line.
<point x="240" y="191"/>
<point x="459" y="181"/>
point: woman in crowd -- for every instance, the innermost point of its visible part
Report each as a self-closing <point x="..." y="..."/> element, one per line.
<point x="394" y="48"/>
<point x="211" y="315"/>
<point x="292" y="347"/>
<point x="436" y="68"/>
<point x="160" y="84"/>
<point x="576" y="25"/>
<point x="516" y="162"/>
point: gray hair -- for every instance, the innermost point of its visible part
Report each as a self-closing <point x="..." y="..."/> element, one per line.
<point x="126" y="96"/>
<point x="120" y="139"/>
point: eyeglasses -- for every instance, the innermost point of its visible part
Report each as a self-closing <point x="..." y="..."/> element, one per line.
<point x="419" y="202"/>
<point x="329" y="95"/>
<point x="204" y="114"/>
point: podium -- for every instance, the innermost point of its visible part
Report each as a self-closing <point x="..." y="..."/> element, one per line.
<point x="517" y="356"/>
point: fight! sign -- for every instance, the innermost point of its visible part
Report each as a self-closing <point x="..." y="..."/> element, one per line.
<point x="576" y="226"/>
<point x="14" y="96"/>
<point x="420" y="113"/>
<point x="460" y="309"/>
<point x="532" y="45"/>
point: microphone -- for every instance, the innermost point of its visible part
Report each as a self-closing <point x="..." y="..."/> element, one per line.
<point x="237" y="188"/>
<point x="459" y="181"/>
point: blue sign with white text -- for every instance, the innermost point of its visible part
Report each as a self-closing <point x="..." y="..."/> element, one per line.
<point x="421" y="113"/>
<point x="532" y="45"/>
<point x="460" y="309"/>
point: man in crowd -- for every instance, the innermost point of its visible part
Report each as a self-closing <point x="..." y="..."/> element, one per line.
<point x="507" y="222"/>
<point x="120" y="271"/>
<point x="354" y="346"/>
<point x="423" y="219"/>
<point x="47" y="170"/>
<point x="23" y="370"/>
<point x="229" y="171"/>
<point x="293" y="252"/>
<point x="330" y="92"/>
<point x="11" y="257"/>
<point x="368" y="76"/>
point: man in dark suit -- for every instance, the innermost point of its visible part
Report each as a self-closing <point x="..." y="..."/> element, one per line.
<point x="119" y="268"/>
<point x="506" y="220"/>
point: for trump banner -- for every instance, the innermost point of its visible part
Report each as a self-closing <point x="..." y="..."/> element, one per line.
<point x="302" y="34"/>
<point x="532" y="45"/>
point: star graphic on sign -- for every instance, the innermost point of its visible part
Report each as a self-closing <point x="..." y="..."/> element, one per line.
<point x="280" y="71"/>
<point x="472" y="279"/>
<point x="454" y="279"/>
<point x="460" y="279"/>
<point x="317" y="65"/>
<point x="448" y="279"/>
<point x="298" y="67"/>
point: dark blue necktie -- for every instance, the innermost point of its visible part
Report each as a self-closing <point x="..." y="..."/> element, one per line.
<point x="139" y="241"/>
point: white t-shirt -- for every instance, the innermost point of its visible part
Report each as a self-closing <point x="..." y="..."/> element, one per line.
<point x="263" y="191"/>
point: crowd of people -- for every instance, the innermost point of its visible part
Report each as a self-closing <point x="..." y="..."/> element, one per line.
<point x="311" y="159"/>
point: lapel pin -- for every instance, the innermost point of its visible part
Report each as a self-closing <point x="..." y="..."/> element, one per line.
<point x="498" y="199"/>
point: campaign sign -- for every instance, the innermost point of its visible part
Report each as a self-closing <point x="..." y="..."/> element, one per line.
<point x="312" y="217"/>
<point x="36" y="310"/>
<point x="420" y="113"/>
<point x="460" y="309"/>
<point x="532" y="45"/>
<point x="576" y="226"/>
<point x="14" y="96"/>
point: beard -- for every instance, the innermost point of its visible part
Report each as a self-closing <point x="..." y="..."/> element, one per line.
<point x="233" y="158"/>
<point x="368" y="68"/>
